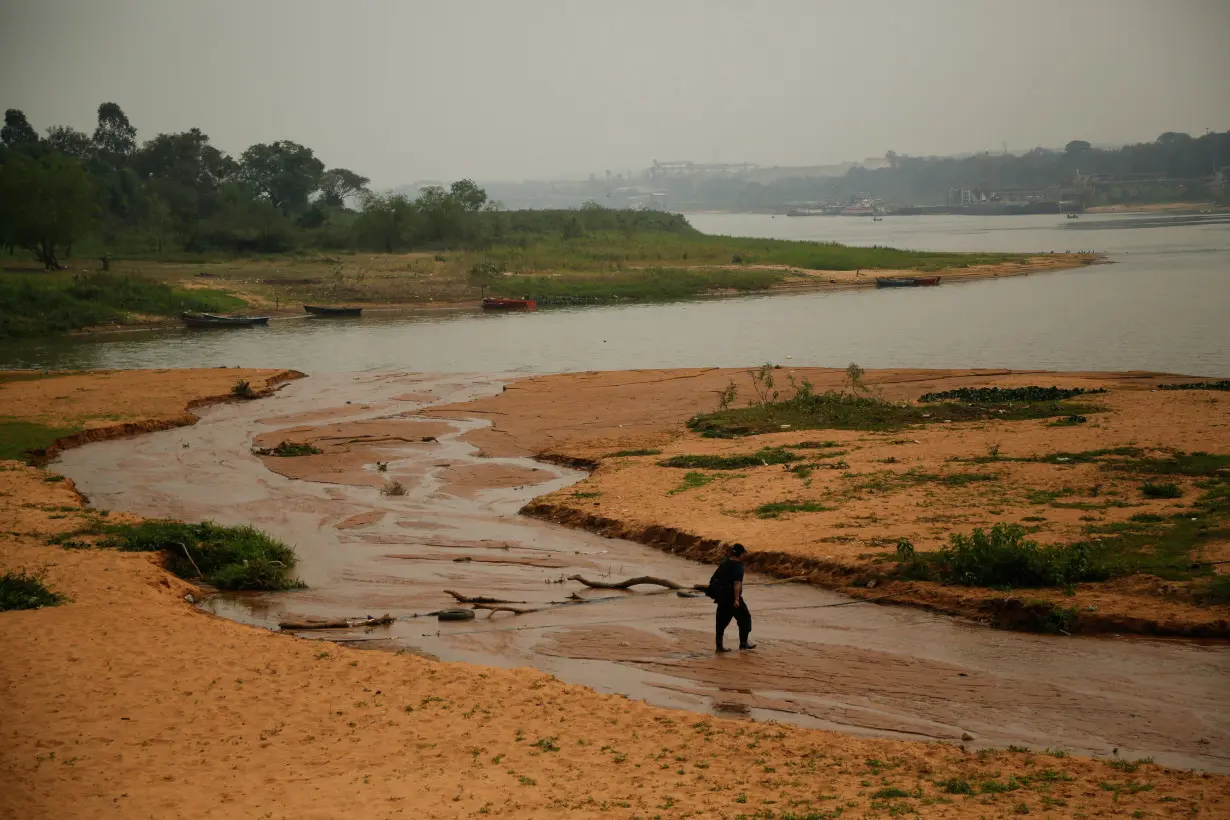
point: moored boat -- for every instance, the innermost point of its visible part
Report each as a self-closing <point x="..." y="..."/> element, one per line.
<point x="490" y="303"/>
<point x="214" y="320"/>
<point x="906" y="281"/>
<point x="333" y="312"/>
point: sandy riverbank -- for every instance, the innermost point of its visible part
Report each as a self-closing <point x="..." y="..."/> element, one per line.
<point x="126" y="701"/>
<point x="868" y="494"/>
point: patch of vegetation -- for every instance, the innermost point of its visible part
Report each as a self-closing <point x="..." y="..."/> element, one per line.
<point x="633" y="453"/>
<point x="1222" y="384"/>
<point x="692" y="481"/>
<point x="760" y="458"/>
<point x="1068" y="421"/>
<point x="780" y="508"/>
<point x="1153" y="490"/>
<point x="1001" y="558"/>
<point x="393" y="488"/>
<point x="813" y="445"/>
<point x="1004" y="395"/>
<point x="47" y="303"/>
<point x="20" y="589"/>
<point x="1197" y="464"/>
<point x="243" y="390"/>
<point x="1216" y="590"/>
<point x="855" y="409"/>
<point x="20" y="439"/>
<point x="226" y="557"/>
<point x="289" y="449"/>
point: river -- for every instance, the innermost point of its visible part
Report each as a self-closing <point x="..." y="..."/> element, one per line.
<point x="1161" y="305"/>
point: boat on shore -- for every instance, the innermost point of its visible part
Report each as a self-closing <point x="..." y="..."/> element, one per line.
<point x="333" y="312"/>
<point x="214" y="320"/>
<point x="491" y="303"/>
<point x="907" y="281"/>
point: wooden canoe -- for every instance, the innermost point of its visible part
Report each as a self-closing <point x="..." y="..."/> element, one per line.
<point x="333" y="312"/>
<point x="490" y="303"/>
<point x="214" y="320"/>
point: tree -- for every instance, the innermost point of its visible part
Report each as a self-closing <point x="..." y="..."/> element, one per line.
<point x="466" y="192"/>
<point x="69" y="141"/>
<point x="339" y="184"/>
<point x="17" y="131"/>
<point x="1076" y="147"/>
<point x="115" y="138"/>
<point x="285" y="173"/>
<point x="46" y="203"/>
<point x="386" y="221"/>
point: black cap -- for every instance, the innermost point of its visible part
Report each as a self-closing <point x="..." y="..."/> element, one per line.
<point x="738" y="549"/>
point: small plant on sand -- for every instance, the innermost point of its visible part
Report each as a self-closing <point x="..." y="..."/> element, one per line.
<point x="633" y="453"/>
<point x="780" y="508"/>
<point x="393" y="488"/>
<point x="547" y="744"/>
<point x="728" y="395"/>
<point x="288" y="449"/>
<point x="1151" y="490"/>
<point x="243" y="390"/>
<point x="20" y="589"/>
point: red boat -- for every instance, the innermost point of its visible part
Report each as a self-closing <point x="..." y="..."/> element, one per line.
<point x="926" y="281"/>
<point x="509" y="304"/>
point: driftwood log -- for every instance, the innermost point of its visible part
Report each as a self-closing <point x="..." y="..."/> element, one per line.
<point x="631" y="582"/>
<point x="338" y="623"/>
<point x="478" y="599"/>
<point x="516" y="610"/>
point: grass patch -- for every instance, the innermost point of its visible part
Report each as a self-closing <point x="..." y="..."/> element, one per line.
<point x="835" y="410"/>
<point x="47" y="303"/>
<point x="288" y="449"/>
<point x="19" y="439"/>
<point x="633" y="453"/>
<point x="228" y="557"/>
<point x="20" y="589"/>
<point x="761" y="458"/>
<point x="1153" y="490"/>
<point x="1221" y="384"/>
<point x="1197" y="465"/>
<point x="780" y="508"/>
<point x="393" y="488"/>
<point x="813" y="445"/>
<point x="1003" y="395"/>
<point x="692" y="481"/>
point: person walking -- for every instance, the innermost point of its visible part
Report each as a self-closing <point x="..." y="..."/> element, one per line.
<point x="726" y="590"/>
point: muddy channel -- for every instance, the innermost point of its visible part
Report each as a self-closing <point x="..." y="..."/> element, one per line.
<point x="865" y="669"/>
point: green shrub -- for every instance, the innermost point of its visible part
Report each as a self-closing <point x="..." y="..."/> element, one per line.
<point x="228" y="557"/>
<point x="1151" y="490"/>
<point x="1002" y="558"/>
<point x="25" y="590"/>
<point x="780" y="508"/>
<point x="1222" y="384"/>
<point x="633" y="453"/>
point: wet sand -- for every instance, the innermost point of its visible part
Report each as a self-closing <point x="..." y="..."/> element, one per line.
<point x="869" y="670"/>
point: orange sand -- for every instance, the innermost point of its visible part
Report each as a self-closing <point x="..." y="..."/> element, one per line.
<point x="127" y="702"/>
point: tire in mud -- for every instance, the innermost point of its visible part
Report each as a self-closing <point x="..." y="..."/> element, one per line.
<point x="455" y="615"/>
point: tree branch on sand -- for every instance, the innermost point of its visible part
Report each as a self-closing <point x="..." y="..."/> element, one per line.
<point x="631" y="582"/>
<point x="478" y="599"/>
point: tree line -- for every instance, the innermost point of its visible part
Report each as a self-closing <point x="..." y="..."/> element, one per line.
<point x="177" y="192"/>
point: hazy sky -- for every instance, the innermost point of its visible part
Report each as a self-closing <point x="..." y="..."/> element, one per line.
<point x="403" y="90"/>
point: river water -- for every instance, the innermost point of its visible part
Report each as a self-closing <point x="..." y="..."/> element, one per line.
<point x="1162" y="305"/>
